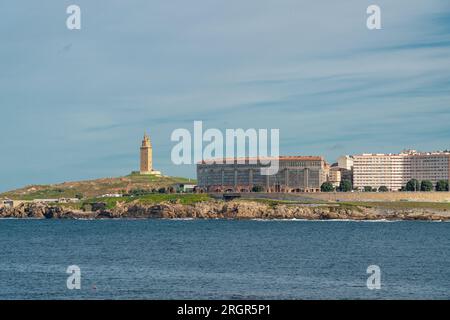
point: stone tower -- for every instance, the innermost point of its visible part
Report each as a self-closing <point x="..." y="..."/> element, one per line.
<point x="146" y="156"/>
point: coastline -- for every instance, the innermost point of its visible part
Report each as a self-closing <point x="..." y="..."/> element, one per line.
<point x="236" y="209"/>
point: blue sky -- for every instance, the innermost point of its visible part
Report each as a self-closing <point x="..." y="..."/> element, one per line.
<point x="74" y="104"/>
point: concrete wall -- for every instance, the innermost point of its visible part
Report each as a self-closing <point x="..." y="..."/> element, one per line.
<point x="385" y="196"/>
<point x="355" y="196"/>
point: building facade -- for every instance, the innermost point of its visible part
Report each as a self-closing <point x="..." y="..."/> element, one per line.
<point x="430" y="166"/>
<point x="395" y="170"/>
<point x="335" y="176"/>
<point x="345" y="162"/>
<point x="295" y="174"/>
<point x="146" y="157"/>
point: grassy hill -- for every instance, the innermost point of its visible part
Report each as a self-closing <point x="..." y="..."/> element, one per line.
<point x="155" y="198"/>
<point x="94" y="188"/>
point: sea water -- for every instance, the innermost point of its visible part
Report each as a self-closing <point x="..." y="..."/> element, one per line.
<point x="223" y="259"/>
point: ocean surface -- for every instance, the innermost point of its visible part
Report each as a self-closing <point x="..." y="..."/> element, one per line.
<point x="218" y="259"/>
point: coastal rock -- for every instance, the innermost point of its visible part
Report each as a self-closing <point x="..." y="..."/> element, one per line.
<point x="215" y="209"/>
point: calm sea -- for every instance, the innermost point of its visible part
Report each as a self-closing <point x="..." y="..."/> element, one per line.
<point x="217" y="259"/>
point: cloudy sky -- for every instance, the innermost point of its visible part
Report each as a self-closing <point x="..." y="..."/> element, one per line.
<point x="74" y="104"/>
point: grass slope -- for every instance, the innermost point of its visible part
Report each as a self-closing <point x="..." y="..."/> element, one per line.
<point x="189" y="198"/>
<point x="93" y="188"/>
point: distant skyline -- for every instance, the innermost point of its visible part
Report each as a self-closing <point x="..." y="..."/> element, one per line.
<point x="74" y="104"/>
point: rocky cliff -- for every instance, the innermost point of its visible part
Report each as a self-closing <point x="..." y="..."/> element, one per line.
<point x="224" y="210"/>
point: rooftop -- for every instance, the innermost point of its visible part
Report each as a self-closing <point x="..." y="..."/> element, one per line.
<point x="256" y="159"/>
<point x="404" y="153"/>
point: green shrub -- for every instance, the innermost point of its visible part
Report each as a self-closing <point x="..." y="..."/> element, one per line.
<point x="327" y="187"/>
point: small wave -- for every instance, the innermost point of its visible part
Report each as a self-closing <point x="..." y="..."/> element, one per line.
<point x="350" y="220"/>
<point x="268" y="220"/>
<point x="377" y="220"/>
<point x="24" y="219"/>
<point x="326" y="220"/>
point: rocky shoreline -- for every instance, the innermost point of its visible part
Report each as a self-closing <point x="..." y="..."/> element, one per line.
<point x="223" y="210"/>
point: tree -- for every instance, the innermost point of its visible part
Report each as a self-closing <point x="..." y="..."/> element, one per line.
<point x="345" y="186"/>
<point x="257" y="189"/>
<point x="426" y="185"/>
<point x="170" y="190"/>
<point x="383" y="189"/>
<point x="162" y="190"/>
<point x="139" y="192"/>
<point x="442" y="185"/>
<point x="368" y="189"/>
<point x="327" y="187"/>
<point x="412" y="185"/>
<point x="79" y="196"/>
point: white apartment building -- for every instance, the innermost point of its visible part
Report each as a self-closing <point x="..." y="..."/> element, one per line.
<point x="431" y="166"/>
<point x="395" y="170"/>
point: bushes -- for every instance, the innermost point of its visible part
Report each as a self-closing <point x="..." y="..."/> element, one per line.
<point x="162" y="190"/>
<point x="138" y="192"/>
<point x="426" y="186"/>
<point x="327" y="187"/>
<point x="345" y="186"/>
<point x="413" y="185"/>
<point x="442" y="185"/>
<point x="257" y="189"/>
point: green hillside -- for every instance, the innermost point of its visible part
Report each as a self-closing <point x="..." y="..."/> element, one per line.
<point x="95" y="188"/>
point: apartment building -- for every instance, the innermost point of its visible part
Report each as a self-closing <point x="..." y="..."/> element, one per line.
<point x="395" y="170"/>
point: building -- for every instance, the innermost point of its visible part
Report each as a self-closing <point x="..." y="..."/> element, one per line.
<point x="7" y="203"/>
<point x="49" y="200"/>
<point x="433" y="166"/>
<point x="146" y="155"/>
<point x="335" y="176"/>
<point x="111" y="195"/>
<point x="295" y="174"/>
<point x="376" y="170"/>
<point x="345" y="165"/>
<point x="345" y="162"/>
<point x="395" y="170"/>
<point x="186" y="188"/>
<point x="146" y="166"/>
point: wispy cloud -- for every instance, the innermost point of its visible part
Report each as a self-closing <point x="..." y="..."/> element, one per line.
<point x="77" y="103"/>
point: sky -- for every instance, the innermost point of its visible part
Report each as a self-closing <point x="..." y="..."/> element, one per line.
<point x="74" y="104"/>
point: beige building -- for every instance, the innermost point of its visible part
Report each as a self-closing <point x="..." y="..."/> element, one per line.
<point x="334" y="176"/>
<point x="395" y="170"/>
<point x="345" y="162"/>
<point x="295" y="174"/>
<point x="146" y="166"/>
